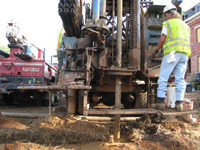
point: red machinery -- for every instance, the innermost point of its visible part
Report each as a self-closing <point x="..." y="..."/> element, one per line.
<point x="22" y="68"/>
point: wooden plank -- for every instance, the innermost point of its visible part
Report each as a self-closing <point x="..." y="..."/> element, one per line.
<point x="175" y="113"/>
<point x="121" y="111"/>
<point x="83" y="87"/>
<point x="138" y="112"/>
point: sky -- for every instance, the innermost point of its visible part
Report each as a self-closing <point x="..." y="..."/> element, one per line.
<point x="40" y="23"/>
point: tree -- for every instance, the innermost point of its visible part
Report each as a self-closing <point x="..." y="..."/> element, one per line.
<point x="5" y="48"/>
<point x="183" y="12"/>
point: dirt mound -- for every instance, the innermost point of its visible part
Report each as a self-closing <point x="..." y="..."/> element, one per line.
<point x="54" y="131"/>
<point x="23" y="146"/>
<point x="7" y="123"/>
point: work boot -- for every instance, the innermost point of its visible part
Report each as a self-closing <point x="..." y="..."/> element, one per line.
<point x="179" y="106"/>
<point x="160" y="103"/>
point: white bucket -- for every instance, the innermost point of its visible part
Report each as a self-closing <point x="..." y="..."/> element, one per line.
<point x="171" y="97"/>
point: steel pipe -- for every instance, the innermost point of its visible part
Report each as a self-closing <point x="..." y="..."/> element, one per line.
<point x="72" y="5"/>
<point x="66" y="4"/>
<point x="119" y="33"/>
<point x="60" y="5"/>
<point x="23" y="115"/>
<point x="95" y="9"/>
<point x="64" y="20"/>
<point x="100" y="118"/>
<point x="103" y="8"/>
<point x="69" y="21"/>
<point x="118" y="78"/>
<point x="75" y="22"/>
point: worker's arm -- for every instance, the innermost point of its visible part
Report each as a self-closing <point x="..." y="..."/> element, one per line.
<point x="161" y="41"/>
<point x="160" y="44"/>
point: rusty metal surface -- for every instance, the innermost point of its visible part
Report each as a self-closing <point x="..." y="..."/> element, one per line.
<point x="119" y="73"/>
<point x="71" y="101"/>
<point x="111" y="88"/>
<point x="84" y="43"/>
<point x="134" y="58"/>
<point x="97" y="25"/>
<point x="155" y="23"/>
<point x="96" y="36"/>
<point x="103" y="58"/>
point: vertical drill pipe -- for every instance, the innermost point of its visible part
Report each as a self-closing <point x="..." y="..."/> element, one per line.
<point x="118" y="78"/>
<point x="138" y="24"/>
<point x="95" y="9"/>
<point x="113" y="16"/>
<point x="103" y="8"/>
<point x="119" y="33"/>
<point x="117" y="106"/>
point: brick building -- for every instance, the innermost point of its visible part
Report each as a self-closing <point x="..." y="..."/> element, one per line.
<point x="192" y="18"/>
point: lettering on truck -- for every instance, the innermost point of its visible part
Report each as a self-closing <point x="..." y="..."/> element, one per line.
<point x="26" y="69"/>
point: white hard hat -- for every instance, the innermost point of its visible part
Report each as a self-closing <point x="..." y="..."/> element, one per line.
<point x="168" y="7"/>
<point x="11" y="21"/>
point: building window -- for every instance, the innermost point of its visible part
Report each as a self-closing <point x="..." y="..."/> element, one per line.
<point x="198" y="8"/>
<point x="189" y="65"/>
<point x="198" y="63"/>
<point x="198" y="35"/>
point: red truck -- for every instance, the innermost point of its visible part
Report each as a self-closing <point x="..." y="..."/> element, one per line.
<point x="22" y="68"/>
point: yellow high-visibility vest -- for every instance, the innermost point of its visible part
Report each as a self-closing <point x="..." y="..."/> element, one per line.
<point x="178" y="37"/>
<point x="59" y="39"/>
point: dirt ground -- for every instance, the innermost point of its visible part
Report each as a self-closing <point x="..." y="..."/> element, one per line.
<point x="65" y="132"/>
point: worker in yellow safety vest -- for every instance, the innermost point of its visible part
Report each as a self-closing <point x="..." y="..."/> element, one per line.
<point x="175" y="40"/>
<point x="60" y="49"/>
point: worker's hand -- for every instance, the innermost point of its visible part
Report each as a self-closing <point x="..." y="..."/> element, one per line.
<point x="154" y="53"/>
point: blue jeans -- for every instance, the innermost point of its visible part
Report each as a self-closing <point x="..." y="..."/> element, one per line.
<point x="178" y="68"/>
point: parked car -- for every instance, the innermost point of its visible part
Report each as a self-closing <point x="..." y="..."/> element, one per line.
<point x="197" y="78"/>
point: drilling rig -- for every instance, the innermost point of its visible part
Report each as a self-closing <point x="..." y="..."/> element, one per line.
<point x="111" y="54"/>
<point x="108" y="56"/>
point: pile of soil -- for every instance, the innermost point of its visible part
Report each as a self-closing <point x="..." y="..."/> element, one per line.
<point x="23" y="146"/>
<point x="63" y="130"/>
<point x="54" y="131"/>
<point x="58" y="132"/>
